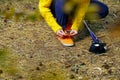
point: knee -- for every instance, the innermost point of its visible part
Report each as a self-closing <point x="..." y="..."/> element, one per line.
<point x="103" y="8"/>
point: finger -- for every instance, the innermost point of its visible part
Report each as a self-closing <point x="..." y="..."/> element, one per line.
<point x="73" y="33"/>
<point x="62" y="32"/>
<point x="59" y="32"/>
<point x="60" y="35"/>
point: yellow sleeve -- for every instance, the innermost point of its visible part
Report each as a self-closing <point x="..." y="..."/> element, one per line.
<point x="47" y="15"/>
<point x="80" y="13"/>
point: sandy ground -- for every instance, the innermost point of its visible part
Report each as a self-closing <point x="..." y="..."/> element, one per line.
<point x="30" y="51"/>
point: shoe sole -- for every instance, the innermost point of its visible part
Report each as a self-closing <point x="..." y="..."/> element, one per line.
<point x="68" y="45"/>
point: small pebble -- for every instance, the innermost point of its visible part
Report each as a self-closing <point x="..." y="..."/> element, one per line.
<point x="75" y="69"/>
<point x="80" y="78"/>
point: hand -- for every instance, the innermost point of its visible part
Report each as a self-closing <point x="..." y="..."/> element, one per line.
<point x="61" y="33"/>
<point x="73" y="32"/>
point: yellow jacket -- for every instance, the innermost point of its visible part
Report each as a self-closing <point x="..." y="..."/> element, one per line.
<point x="48" y="16"/>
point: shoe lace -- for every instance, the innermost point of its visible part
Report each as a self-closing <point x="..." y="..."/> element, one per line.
<point x="66" y="37"/>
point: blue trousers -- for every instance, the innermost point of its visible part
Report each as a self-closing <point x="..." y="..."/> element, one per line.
<point x="62" y="18"/>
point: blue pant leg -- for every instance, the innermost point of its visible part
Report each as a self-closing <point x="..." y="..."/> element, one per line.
<point x="103" y="11"/>
<point x="57" y="11"/>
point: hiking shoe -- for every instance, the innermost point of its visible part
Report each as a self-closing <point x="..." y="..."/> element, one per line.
<point x="66" y="41"/>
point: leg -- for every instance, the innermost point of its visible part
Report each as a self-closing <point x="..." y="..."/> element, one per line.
<point x="57" y="10"/>
<point x="103" y="9"/>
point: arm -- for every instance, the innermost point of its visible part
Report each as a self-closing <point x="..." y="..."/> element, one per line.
<point x="80" y="13"/>
<point x="47" y="15"/>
